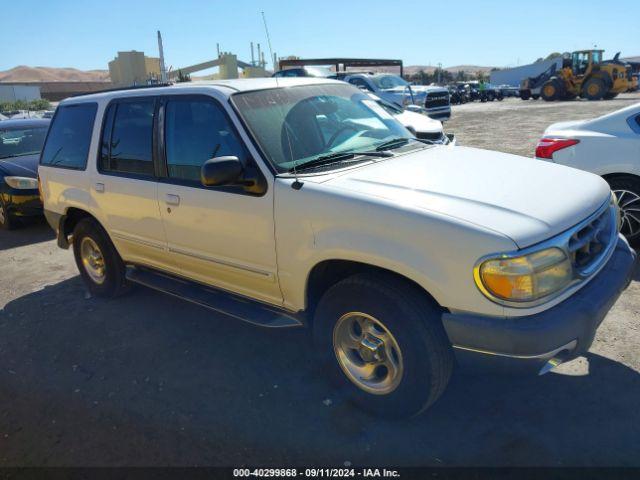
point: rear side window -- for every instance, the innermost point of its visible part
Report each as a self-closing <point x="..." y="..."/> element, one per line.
<point x="69" y="137"/>
<point x="127" y="138"/>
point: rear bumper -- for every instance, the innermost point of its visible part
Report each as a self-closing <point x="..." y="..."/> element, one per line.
<point x="25" y="203"/>
<point x="562" y="332"/>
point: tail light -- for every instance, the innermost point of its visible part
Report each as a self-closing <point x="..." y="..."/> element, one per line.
<point x="548" y="146"/>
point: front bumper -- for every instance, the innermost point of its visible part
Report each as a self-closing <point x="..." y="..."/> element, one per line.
<point x="22" y="203"/>
<point x="439" y="113"/>
<point x="561" y="333"/>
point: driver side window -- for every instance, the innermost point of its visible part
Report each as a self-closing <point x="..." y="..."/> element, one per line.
<point x="197" y="130"/>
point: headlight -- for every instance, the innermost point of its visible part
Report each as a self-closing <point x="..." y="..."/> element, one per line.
<point x="22" y="183"/>
<point x="616" y="205"/>
<point x="525" y="278"/>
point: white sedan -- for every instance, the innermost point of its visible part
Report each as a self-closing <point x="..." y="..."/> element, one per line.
<point x="608" y="146"/>
<point x="416" y="121"/>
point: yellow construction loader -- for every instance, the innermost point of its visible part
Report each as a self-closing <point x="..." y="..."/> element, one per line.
<point x="583" y="74"/>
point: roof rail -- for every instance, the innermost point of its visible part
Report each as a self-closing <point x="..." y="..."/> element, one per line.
<point x="119" y="89"/>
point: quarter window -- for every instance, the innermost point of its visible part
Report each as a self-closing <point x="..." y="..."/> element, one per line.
<point x="358" y="82"/>
<point x="127" y="138"/>
<point x="69" y="137"/>
<point x="196" y="131"/>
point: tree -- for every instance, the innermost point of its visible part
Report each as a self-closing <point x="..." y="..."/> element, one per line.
<point x="553" y="55"/>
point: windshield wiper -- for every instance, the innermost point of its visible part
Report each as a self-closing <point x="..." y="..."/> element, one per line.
<point x="399" y="142"/>
<point x="337" y="157"/>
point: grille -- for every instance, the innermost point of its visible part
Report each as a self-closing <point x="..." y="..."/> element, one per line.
<point x="588" y="245"/>
<point x="436" y="100"/>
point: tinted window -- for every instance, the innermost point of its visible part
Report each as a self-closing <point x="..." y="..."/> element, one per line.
<point x="18" y="142"/>
<point x="70" y="136"/>
<point x="358" y="82"/>
<point x="127" y="138"/>
<point x="197" y="130"/>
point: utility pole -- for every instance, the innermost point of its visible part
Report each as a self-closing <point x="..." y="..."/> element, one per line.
<point x="163" y="70"/>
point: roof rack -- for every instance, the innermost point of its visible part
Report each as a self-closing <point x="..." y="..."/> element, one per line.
<point x="119" y="89"/>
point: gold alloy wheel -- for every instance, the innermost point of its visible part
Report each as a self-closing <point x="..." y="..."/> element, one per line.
<point x="92" y="260"/>
<point x="549" y="91"/>
<point x="368" y="353"/>
<point x="593" y="89"/>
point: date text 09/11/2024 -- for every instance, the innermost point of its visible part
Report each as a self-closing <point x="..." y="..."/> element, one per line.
<point x="316" y="472"/>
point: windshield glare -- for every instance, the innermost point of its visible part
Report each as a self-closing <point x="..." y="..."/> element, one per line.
<point x="17" y="142"/>
<point x="298" y="124"/>
<point x="385" y="82"/>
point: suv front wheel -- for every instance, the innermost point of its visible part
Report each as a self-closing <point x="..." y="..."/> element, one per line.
<point x="382" y="343"/>
<point x="99" y="263"/>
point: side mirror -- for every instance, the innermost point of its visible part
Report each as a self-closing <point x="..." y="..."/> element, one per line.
<point x="220" y="171"/>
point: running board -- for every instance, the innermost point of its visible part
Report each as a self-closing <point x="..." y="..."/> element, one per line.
<point x="228" y="304"/>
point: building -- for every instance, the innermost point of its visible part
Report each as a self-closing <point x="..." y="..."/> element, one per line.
<point x="134" y="68"/>
<point x="513" y="76"/>
<point x="10" y="92"/>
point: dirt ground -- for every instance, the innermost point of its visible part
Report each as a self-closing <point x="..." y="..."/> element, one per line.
<point x="515" y="126"/>
<point x="148" y="379"/>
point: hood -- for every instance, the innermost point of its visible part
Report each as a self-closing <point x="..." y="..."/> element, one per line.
<point x="525" y="199"/>
<point x="419" y="122"/>
<point x="24" y="166"/>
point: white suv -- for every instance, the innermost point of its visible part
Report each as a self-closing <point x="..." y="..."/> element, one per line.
<point x="264" y="199"/>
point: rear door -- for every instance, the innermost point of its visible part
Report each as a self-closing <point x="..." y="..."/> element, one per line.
<point x="221" y="236"/>
<point x="125" y="187"/>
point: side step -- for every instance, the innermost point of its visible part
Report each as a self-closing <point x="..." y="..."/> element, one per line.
<point x="222" y="302"/>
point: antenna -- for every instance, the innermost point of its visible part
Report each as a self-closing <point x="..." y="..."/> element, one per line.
<point x="266" y="29"/>
<point x="297" y="184"/>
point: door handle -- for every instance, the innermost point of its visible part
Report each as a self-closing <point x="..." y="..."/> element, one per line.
<point x="172" y="199"/>
<point x="99" y="187"/>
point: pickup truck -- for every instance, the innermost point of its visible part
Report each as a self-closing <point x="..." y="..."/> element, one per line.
<point x="435" y="101"/>
<point x="301" y="202"/>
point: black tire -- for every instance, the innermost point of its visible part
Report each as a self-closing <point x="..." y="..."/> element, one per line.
<point x="551" y="90"/>
<point x="535" y="97"/>
<point x="114" y="282"/>
<point x="630" y="218"/>
<point x="7" y="222"/>
<point x="594" y="89"/>
<point x="610" y="96"/>
<point x="412" y="318"/>
<point x="525" y="94"/>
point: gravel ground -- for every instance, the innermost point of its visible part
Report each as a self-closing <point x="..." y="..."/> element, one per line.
<point x="150" y="380"/>
<point x="515" y="126"/>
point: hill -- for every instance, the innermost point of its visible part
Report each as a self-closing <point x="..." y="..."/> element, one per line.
<point x="24" y="73"/>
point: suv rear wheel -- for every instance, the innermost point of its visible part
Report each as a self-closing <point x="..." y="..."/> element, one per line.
<point x="382" y="343"/>
<point x="99" y="263"/>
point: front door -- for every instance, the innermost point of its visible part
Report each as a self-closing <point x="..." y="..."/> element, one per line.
<point x="221" y="236"/>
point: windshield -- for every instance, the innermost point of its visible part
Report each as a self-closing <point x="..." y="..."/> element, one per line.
<point x="18" y="142"/>
<point x="298" y="124"/>
<point x="385" y="82"/>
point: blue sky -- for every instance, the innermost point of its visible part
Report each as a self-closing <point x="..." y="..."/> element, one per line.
<point x="87" y="34"/>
